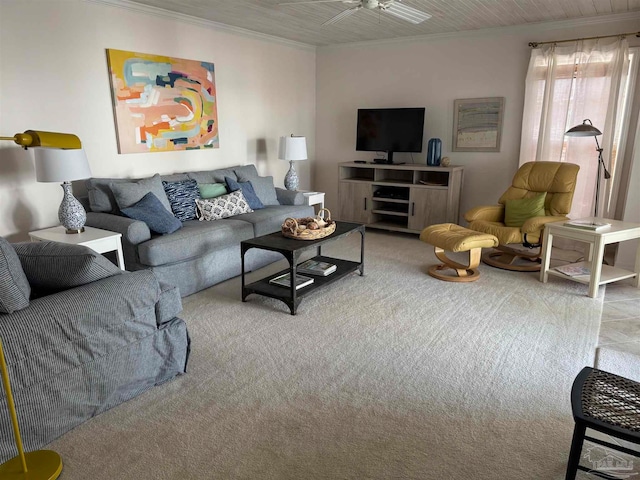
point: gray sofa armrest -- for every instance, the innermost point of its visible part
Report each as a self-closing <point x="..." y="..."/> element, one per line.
<point x="289" y="197"/>
<point x="133" y="231"/>
<point x="73" y="327"/>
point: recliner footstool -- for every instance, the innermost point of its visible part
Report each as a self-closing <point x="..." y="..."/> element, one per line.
<point x="454" y="238"/>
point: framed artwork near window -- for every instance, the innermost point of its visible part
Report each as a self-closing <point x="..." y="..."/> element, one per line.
<point x="477" y="124"/>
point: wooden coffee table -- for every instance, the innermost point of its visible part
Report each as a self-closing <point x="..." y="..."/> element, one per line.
<point x="292" y="250"/>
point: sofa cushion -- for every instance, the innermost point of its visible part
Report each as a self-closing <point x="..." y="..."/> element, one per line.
<point x="271" y="218"/>
<point x="100" y="195"/>
<point x="182" y="197"/>
<point x="213" y="176"/>
<point x="14" y="286"/>
<point x="150" y="211"/>
<point x="223" y="206"/>
<point x="212" y="190"/>
<point x="128" y="193"/>
<point x="194" y="239"/>
<point x="247" y="190"/>
<point x="263" y="186"/>
<point x="52" y="266"/>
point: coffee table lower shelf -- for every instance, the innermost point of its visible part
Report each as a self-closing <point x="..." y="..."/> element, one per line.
<point x="263" y="287"/>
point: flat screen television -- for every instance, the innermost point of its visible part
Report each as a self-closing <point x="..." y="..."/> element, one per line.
<point x="390" y="130"/>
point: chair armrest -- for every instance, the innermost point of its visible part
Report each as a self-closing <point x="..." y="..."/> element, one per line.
<point x="133" y="231"/>
<point x="289" y="197"/>
<point x="490" y="213"/>
<point x="535" y="224"/>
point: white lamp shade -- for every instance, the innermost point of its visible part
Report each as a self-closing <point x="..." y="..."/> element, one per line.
<point x="56" y="165"/>
<point x="292" y="148"/>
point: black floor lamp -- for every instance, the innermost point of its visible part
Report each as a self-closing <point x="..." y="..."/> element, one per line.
<point x="588" y="130"/>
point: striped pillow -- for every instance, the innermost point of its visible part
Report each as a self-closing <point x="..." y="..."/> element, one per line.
<point x="52" y="267"/>
<point x="182" y="197"/>
<point x="14" y="287"/>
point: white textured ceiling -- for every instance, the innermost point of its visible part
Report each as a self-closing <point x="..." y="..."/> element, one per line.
<point x="303" y="23"/>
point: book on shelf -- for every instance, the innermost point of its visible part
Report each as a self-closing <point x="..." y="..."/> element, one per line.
<point x="588" y="224"/>
<point x="316" y="267"/>
<point x="574" y="270"/>
<point x="284" y="280"/>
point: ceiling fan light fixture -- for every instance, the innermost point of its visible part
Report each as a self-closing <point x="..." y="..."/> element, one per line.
<point x="407" y="13"/>
<point x="341" y="15"/>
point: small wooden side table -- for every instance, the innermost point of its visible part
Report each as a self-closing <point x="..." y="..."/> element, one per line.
<point x="96" y="239"/>
<point x="599" y="274"/>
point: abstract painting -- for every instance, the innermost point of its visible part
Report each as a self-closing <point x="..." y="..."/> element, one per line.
<point x="162" y="104"/>
<point x="477" y="124"/>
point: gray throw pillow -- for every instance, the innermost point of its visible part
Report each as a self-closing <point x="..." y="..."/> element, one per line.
<point x="14" y="286"/>
<point x="101" y="197"/>
<point x="130" y="193"/>
<point x="264" y="188"/>
<point x="52" y="267"/>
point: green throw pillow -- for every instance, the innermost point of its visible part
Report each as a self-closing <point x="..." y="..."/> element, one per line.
<point x="212" y="190"/>
<point x="516" y="212"/>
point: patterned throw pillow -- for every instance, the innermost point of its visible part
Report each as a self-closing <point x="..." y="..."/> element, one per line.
<point x="182" y="197"/>
<point x="223" y="206"/>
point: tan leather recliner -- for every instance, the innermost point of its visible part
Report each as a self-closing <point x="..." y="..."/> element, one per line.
<point x="558" y="180"/>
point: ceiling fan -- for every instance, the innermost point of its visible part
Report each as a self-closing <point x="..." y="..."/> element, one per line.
<point x="392" y="7"/>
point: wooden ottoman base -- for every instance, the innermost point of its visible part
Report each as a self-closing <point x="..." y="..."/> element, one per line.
<point x="454" y="238"/>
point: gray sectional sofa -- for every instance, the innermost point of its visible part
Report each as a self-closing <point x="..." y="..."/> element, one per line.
<point x="79" y="337"/>
<point x="201" y="253"/>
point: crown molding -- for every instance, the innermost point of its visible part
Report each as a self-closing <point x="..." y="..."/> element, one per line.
<point x="533" y="28"/>
<point x="200" y="22"/>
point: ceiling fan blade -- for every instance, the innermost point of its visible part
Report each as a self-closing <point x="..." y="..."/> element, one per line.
<point x="407" y="13"/>
<point x="321" y="1"/>
<point x="342" y="15"/>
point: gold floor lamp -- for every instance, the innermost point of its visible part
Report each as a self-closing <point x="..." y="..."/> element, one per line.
<point x="40" y="464"/>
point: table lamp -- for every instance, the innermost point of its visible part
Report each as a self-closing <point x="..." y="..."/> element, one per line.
<point x="588" y="130"/>
<point x="55" y="165"/>
<point x="291" y="149"/>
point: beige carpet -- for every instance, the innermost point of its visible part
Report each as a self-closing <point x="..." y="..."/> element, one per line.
<point x="393" y="375"/>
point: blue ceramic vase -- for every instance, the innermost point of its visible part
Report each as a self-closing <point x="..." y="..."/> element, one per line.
<point x="434" y="152"/>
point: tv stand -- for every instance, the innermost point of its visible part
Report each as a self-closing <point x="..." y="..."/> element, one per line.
<point x="404" y="198"/>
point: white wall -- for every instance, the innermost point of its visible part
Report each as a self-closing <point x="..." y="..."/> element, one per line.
<point x="54" y="77"/>
<point x="432" y="73"/>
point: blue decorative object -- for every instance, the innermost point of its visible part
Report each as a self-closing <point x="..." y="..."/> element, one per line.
<point x="247" y="190"/>
<point x="434" y="152"/>
<point x="150" y="211"/>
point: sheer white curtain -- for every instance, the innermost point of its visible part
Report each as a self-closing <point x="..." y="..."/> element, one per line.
<point x="567" y="83"/>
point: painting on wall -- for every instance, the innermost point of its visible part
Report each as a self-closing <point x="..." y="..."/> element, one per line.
<point x="477" y="124"/>
<point x="162" y="104"/>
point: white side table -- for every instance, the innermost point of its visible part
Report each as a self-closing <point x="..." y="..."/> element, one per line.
<point x="313" y="198"/>
<point x="599" y="274"/>
<point x="96" y="239"/>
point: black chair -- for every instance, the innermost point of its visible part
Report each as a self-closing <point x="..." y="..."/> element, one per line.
<point x="609" y="404"/>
